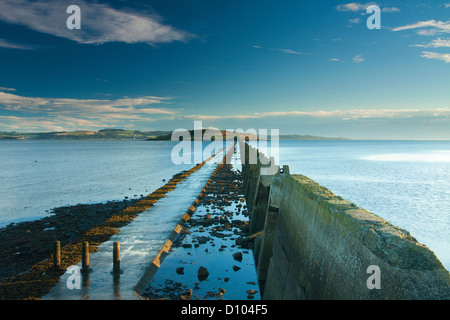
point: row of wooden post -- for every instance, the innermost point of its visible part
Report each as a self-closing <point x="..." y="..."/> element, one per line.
<point x="85" y="256"/>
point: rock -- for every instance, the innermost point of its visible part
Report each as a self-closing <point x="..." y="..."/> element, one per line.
<point x="180" y="270"/>
<point x="236" y="268"/>
<point x="202" y="273"/>
<point x="237" y="256"/>
<point x="226" y="279"/>
<point x="202" y="240"/>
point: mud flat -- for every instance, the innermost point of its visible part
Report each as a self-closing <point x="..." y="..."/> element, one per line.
<point x="212" y="257"/>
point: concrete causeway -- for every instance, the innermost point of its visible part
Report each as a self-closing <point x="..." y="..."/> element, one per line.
<point x="140" y="242"/>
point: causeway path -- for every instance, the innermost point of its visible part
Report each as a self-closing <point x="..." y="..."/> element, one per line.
<point x="141" y="242"/>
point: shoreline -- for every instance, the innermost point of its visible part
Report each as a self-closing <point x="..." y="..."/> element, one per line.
<point x="26" y="248"/>
<point x="25" y="243"/>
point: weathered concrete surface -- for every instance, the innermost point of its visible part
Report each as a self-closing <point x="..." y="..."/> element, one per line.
<point x="316" y="245"/>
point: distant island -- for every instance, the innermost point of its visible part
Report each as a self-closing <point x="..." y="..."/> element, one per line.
<point x="121" y="134"/>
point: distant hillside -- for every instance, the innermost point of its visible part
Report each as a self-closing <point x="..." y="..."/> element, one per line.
<point x="121" y="134"/>
<point x="105" y="134"/>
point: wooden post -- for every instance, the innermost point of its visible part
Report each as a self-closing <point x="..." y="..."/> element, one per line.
<point x="116" y="258"/>
<point x="85" y="257"/>
<point x="56" y="255"/>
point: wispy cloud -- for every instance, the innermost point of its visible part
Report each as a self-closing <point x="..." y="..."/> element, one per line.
<point x="288" y="51"/>
<point x="433" y="27"/>
<point x="53" y="123"/>
<point x="358" y="59"/>
<point x="356" y="6"/>
<point x="354" y="21"/>
<point x="7" y="89"/>
<point x="12" y="45"/>
<point x="14" y="102"/>
<point x="284" y="50"/>
<point x="28" y="112"/>
<point x="390" y="10"/>
<point x="436" y="43"/>
<point x="100" y="23"/>
<point x="355" y="114"/>
<point x="437" y="56"/>
<point x="73" y="114"/>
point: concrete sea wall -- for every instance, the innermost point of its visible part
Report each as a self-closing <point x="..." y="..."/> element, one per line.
<point x="313" y="244"/>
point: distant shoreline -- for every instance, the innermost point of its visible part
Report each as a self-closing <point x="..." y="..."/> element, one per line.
<point x="120" y="134"/>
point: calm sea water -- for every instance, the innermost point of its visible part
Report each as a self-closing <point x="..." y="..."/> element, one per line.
<point x="405" y="182"/>
<point x="37" y="176"/>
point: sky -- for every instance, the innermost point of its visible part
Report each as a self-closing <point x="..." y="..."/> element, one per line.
<point x="303" y="67"/>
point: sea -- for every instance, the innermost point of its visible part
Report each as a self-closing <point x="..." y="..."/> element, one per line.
<point x="404" y="182"/>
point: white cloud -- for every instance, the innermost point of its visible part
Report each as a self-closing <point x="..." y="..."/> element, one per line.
<point x="390" y="10"/>
<point x="428" y="32"/>
<point x="7" y="89"/>
<point x="438" y="56"/>
<point x="12" y="45"/>
<point x="436" y="43"/>
<point x="358" y="59"/>
<point x="288" y="51"/>
<point x="100" y="23"/>
<point x="355" y="21"/>
<point x="335" y="60"/>
<point x="56" y="123"/>
<point x="354" y="114"/>
<point x="436" y="27"/>
<point x="86" y="108"/>
<point x="62" y="114"/>
<point x="354" y="6"/>
<point x="284" y="50"/>
<point x="64" y="121"/>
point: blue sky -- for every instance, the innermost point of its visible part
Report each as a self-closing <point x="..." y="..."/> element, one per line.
<point x="305" y="67"/>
